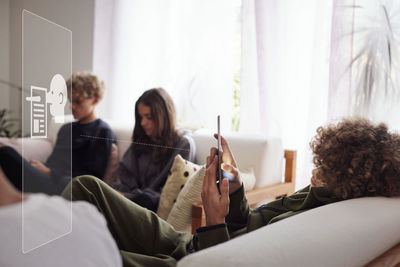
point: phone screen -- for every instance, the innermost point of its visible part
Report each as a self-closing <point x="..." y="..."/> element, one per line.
<point x="219" y="153"/>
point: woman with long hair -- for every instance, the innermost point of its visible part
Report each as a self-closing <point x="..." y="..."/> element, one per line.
<point x="156" y="141"/>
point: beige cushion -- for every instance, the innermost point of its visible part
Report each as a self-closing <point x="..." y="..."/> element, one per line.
<point x="180" y="216"/>
<point x="37" y="149"/>
<point x="248" y="179"/>
<point x="180" y="172"/>
<point x="111" y="173"/>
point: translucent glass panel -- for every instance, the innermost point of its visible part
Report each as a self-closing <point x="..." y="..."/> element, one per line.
<point x="46" y="65"/>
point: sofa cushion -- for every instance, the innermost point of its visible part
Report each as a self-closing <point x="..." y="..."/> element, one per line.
<point x="248" y="179"/>
<point x="264" y="155"/>
<point x="179" y="173"/>
<point x="346" y="233"/>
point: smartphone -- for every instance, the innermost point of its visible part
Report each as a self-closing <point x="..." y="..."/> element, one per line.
<point x="219" y="152"/>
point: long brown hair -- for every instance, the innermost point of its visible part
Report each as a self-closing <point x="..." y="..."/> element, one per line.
<point x="163" y="114"/>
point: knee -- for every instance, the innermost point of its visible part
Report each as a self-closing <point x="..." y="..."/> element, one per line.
<point x="79" y="185"/>
<point x="76" y="184"/>
<point x="85" y="180"/>
<point x="7" y="150"/>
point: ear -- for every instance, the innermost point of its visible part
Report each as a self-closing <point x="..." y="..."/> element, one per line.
<point x="96" y="100"/>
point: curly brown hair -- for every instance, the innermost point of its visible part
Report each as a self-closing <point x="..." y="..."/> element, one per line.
<point x="355" y="158"/>
<point x="84" y="85"/>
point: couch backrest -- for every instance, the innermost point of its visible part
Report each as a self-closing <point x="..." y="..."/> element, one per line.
<point x="346" y="233"/>
<point x="264" y="155"/>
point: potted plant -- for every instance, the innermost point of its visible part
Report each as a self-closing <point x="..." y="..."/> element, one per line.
<point x="375" y="66"/>
<point x="7" y="124"/>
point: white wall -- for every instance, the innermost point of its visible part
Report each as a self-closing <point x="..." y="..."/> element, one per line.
<point x="4" y="51"/>
<point x="76" y="15"/>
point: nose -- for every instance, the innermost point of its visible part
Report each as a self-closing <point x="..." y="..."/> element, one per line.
<point x="143" y="122"/>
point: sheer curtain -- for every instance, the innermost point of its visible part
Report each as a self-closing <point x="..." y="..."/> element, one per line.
<point x="292" y="72"/>
<point x="186" y="47"/>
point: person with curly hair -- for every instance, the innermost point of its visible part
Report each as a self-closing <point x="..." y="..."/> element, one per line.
<point x="353" y="158"/>
<point x="75" y="152"/>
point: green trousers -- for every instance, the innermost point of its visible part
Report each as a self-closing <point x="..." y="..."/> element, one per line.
<point x="143" y="238"/>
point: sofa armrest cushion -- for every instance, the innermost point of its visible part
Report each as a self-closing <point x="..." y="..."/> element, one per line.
<point x="346" y="233"/>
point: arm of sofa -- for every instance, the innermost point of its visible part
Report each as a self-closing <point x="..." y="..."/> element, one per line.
<point x="258" y="195"/>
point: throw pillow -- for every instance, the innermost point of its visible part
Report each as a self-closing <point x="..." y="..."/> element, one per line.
<point x="248" y="179"/>
<point x="180" y="216"/>
<point x="179" y="173"/>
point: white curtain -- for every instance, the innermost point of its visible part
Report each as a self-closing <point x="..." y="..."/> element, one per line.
<point x="186" y="47"/>
<point x="293" y="68"/>
<point x="292" y="57"/>
<point x="249" y="93"/>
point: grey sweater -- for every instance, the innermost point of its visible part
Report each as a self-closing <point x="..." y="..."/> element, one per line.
<point x="142" y="180"/>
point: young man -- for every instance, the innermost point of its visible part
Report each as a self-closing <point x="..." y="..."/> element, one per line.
<point x="353" y="158"/>
<point x="45" y="218"/>
<point x="91" y="144"/>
